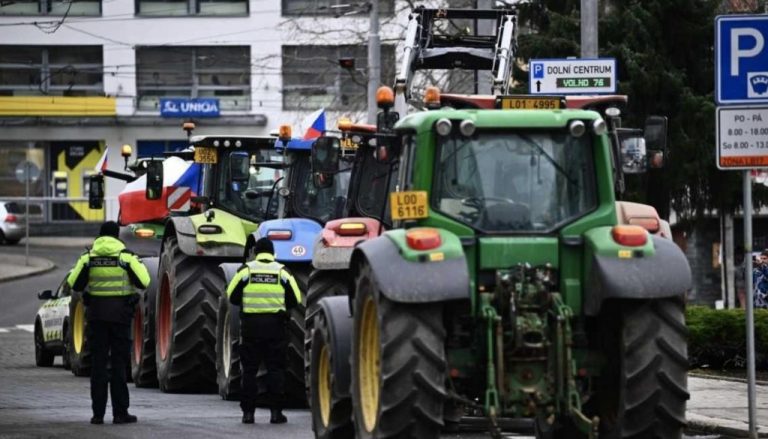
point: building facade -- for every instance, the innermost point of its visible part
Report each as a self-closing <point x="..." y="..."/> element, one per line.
<point x="78" y="76"/>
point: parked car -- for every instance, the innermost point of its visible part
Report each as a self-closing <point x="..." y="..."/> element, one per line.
<point x="60" y="329"/>
<point x="12" y="223"/>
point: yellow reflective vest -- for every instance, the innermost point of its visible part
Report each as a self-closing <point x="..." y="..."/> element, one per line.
<point x="264" y="290"/>
<point x="106" y="275"/>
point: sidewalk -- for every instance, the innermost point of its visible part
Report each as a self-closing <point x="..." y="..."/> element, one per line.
<point x="59" y="241"/>
<point x="720" y="407"/>
<point x="13" y="266"/>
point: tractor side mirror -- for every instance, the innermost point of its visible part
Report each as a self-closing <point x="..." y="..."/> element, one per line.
<point x="387" y="147"/>
<point x="45" y="295"/>
<point x="96" y="191"/>
<point x="154" y="190"/>
<point x="655" y="134"/>
<point x="239" y="166"/>
<point x="633" y="150"/>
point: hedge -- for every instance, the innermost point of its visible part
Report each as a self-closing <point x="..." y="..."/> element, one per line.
<point x="717" y="338"/>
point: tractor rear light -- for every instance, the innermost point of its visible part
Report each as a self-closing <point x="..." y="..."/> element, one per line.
<point x="630" y="235"/>
<point x="648" y="223"/>
<point x="11" y="218"/>
<point x="279" y="235"/>
<point x="351" y="229"/>
<point x="423" y="239"/>
<point x="144" y="233"/>
<point x="209" y="229"/>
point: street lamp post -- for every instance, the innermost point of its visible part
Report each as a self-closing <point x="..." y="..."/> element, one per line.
<point x="374" y="59"/>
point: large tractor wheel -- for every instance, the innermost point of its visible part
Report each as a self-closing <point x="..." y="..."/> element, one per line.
<point x="329" y="375"/>
<point x="185" y="330"/>
<point x="65" y="355"/>
<point x="398" y="365"/>
<point x="295" y="391"/>
<point x="322" y="283"/>
<point x="228" y="371"/>
<point x="143" y="363"/>
<point x="645" y="379"/>
<point x="79" y="353"/>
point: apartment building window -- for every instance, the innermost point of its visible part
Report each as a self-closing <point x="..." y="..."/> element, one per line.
<point x="51" y="70"/>
<point x="50" y="7"/>
<point x="313" y="78"/>
<point x="222" y="72"/>
<point x="191" y="7"/>
<point x="334" y="7"/>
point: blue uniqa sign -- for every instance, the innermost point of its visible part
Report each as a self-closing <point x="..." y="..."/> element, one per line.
<point x="189" y="107"/>
<point x="741" y="59"/>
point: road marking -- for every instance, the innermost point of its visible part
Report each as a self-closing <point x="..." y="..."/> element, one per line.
<point x="3" y="330"/>
<point x="28" y="328"/>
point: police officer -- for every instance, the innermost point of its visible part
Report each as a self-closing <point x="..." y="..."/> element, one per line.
<point x="108" y="274"/>
<point x="264" y="290"/>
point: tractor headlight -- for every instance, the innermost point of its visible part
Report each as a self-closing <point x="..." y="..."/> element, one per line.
<point x="443" y="127"/>
<point x="599" y="127"/>
<point x="467" y="128"/>
<point x="576" y="128"/>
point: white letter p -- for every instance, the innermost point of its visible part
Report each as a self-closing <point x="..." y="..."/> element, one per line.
<point x="737" y="53"/>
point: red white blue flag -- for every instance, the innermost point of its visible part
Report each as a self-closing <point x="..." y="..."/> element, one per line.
<point x="315" y="125"/>
<point x="101" y="166"/>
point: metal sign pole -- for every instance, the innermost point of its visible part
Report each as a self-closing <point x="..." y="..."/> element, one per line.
<point x="750" y="304"/>
<point x="26" y="214"/>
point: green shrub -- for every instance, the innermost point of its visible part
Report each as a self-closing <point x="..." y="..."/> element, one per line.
<point x="718" y="339"/>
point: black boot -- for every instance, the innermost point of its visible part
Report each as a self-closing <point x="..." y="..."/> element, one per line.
<point x="248" y="418"/>
<point x="277" y="416"/>
<point x="124" y="419"/>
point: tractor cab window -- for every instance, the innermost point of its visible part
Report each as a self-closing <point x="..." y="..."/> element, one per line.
<point x="247" y="189"/>
<point x="321" y="204"/>
<point x="374" y="191"/>
<point x="515" y="181"/>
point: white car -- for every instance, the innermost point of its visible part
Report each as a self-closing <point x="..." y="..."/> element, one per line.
<point x="60" y="329"/>
<point x="12" y="223"/>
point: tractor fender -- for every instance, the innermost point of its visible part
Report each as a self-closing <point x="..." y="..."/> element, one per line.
<point x="412" y="281"/>
<point x="336" y="311"/>
<point x="184" y="229"/>
<point x="300" y="246"/>
<point x="333" y="250"/>
<point x="663" y="274"/>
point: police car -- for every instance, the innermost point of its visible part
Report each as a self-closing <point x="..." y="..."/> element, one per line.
<point x="60" y="330"/>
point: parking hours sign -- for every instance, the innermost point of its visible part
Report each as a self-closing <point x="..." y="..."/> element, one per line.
<point x="741" y="59"/>
<point x="742" y="137"/>
<point x="572" y="76"/>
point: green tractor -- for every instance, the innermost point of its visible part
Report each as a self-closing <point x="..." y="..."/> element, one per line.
<point x="509" y="289"/>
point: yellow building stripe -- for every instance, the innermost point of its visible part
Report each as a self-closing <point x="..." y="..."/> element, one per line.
<point x="57" y="106"/>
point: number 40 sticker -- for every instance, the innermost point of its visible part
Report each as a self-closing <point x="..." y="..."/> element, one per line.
<point x="409" y="205"/>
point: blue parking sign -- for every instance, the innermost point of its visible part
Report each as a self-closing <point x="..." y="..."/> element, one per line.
<point x="741" y="59"/>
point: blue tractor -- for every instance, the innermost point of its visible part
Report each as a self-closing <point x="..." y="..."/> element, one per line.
<point x="300" y="208"/>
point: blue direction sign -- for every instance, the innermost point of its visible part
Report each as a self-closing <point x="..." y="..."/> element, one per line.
<point x="741" y="59"/>
<point x="189" y="107"/>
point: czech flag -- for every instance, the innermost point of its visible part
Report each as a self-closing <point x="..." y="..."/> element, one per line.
<point x="177" y="173"/>
<point x="315" y="124"/>
<point x="101" y="166"/>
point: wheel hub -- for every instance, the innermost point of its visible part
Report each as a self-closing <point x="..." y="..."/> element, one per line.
<point x="369" y="364"/>
<point x="78" y="329"/>
<point x="324" y="386"/>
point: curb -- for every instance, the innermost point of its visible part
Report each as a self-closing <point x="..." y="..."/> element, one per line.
<point x="721" y="378"/>
<point x="720" y="426"/>
<point x="41" y="265"/>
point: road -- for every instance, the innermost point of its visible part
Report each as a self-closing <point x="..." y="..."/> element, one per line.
<point x="51" y="402"/>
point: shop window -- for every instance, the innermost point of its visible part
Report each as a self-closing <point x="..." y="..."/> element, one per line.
<point x="52" y="70"/>
<point x="222" y="72"/>
<point x="51" y="7"/>
<point x="191" y="7"/>
<point x="313" y="77"/>
<point x="333" y="7"/>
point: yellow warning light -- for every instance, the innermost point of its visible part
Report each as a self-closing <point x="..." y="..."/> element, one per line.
<point x="385" y="97"/>
<point x="344" y="124"/>
<point x="284" y="132"/>
<point x="432" y="97"/>
<point x="126" y="150"/>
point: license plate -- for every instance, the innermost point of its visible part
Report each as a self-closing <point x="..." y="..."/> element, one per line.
<point x="532" y="103"/>
<point x="205" y="155"/>
<point x="408" y="205"/>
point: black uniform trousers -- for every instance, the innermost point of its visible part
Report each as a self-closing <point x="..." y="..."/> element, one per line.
<point x="263" y="339"/>
<point x="110" y="343"/>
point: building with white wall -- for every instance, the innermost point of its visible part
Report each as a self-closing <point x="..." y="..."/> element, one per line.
<point x="79" y="75"/>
